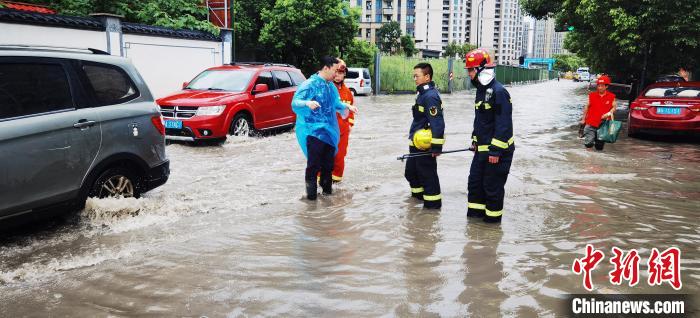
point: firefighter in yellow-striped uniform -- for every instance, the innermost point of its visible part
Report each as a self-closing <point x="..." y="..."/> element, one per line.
<point x="492" y="140"/>
<point x="426" y="137"/>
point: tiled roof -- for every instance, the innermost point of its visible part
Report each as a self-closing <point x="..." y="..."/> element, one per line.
<point x="136" y="28"/>
<point x="26" y="7"/>
<point x="16" y="16"/>
<point x="89" y="23"/>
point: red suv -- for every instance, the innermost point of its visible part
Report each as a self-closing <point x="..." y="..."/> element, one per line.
<point x="236" y="99"/>
<point x="666" y="106"/>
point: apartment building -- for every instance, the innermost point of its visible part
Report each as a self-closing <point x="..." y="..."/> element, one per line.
<point x="498" y="26"/>
<point x="547" y="42"/>
<point x="494" y="24"/>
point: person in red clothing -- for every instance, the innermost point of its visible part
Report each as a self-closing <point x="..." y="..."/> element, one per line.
<point x="344" y="124"/>
<point x="601" y="105"/>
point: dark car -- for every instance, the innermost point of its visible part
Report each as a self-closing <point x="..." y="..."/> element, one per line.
<point x="73" y="124"/>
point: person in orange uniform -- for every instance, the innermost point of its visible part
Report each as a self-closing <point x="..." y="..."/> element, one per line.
<point x="601" y="105"/>
<point x="344" y="124"/>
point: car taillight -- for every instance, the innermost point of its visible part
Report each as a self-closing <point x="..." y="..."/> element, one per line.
<point x="638" y="106"/>
<point x="695" y="108"/>
<point x="362" y="83"/>
<point x="158" y="123"/>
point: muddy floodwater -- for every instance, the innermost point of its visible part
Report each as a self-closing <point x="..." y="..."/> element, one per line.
<point x="229" y="235"/>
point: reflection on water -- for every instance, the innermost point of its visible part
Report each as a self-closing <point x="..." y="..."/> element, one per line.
<point x="230" y="236"/>
<point x="483" y="270"/>
<point x="422" y="280"/>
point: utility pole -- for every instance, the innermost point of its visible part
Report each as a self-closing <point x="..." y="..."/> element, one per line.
<point x="233" y="27"/>
<point x="479" y="13"/>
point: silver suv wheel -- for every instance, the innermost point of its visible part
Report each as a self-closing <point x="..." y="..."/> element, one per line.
<point x="115" y="182"/>
<point x="118" y="186"/>
<point x="241" y="125"/>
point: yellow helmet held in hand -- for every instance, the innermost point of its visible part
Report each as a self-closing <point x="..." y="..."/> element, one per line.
<point x="422" y="139"/>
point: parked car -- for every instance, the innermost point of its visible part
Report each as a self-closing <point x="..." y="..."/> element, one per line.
<point x="237" y="99"/>
<point x="670" y="78"/>
<point x="359" y="81"/>
<point x="74" y="123"/>
<point x="666" y="106"/>
<point x="583" y="74"/>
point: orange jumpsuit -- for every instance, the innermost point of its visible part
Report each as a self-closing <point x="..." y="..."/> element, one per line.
<point x="345" y="127"/>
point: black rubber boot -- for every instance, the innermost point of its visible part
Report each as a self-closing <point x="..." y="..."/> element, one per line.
<point x="492" y="219"/>
<point x="418" y="196"/>
<point x="311" y="191"/>
<point x="474" y="213"/>
<point x="326" y="183"/>
<point x="432" y="204"/>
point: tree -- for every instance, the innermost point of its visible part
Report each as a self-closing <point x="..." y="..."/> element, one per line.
<point x="178" y="14"/>
<point x="360" y="53"/>
<point x="567" y="62"/>
<point x="248" y="23"/>
<point x="628" y="37"/>
<point x="452" y="49"/>
<point x="408" y="46"/>
<point x="388" y="37"/>
<point x="466" y="47"/>
<point x="301" y="31"/>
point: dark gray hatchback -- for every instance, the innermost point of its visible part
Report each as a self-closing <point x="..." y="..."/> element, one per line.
<point x="73" y="124"/>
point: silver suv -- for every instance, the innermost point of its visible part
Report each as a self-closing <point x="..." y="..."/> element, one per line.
<point x="74" y="123"/>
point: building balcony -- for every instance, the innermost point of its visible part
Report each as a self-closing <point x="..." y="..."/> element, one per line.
<point x="388" y="11"/>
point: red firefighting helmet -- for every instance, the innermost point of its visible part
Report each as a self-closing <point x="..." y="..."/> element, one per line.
<point x="603" y="79"/>
<point x="478" y="58"/>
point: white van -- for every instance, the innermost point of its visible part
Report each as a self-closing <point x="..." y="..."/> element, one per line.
<point x="584" y="74"/>
<point x="358" y="81"/>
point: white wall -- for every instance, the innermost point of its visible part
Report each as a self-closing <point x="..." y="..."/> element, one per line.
<point x="11" y="33"/>
<point x="165" y="63"/>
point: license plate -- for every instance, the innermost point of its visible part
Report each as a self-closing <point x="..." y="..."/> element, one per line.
<point x="173" y="124"/>
<point x="668" y="110"/>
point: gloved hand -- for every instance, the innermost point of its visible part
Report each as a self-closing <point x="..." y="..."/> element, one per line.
<point x="472" y="147"/>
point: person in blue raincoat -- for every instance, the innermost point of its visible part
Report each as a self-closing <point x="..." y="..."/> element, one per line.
<point x="315" y="103"/>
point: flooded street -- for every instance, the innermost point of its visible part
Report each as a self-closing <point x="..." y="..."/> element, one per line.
<point x="230" y="234"/>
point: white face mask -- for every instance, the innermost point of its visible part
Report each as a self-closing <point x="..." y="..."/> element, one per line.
<point x="486" y="76"/>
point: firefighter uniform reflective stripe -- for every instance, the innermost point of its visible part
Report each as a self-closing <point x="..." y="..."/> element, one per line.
<point x="421" y="171"/>
<point x="493" y="213"/>
<point x="476" y="206"/>
<point x="432" y="197"/>
<point x="502" y="144"/>
<point x="493" y="135"/>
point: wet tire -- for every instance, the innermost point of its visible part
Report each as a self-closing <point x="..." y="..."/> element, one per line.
<point x="354" y="93"/>
<point x="115" y="182"/>
<point x="241" y="125"/>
